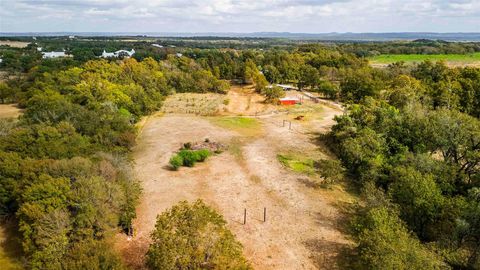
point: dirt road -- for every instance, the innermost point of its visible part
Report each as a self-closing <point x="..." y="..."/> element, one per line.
<point x="301" y="230"/>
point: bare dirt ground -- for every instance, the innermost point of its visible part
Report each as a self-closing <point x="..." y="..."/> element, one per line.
<point x="242" y="100"/>
<point x="14" y="44"/>
<point x="9" y="110"/>
<point x="302" y="228"/>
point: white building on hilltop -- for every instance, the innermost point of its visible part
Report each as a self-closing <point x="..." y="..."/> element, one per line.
<point x="119" y="53"/>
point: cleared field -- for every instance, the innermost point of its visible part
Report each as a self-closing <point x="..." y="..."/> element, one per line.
<point x="9" y="110"/>
<point x="243" y="125"/>
<point x="192" y="103"/>
<point x="451" y="59"/>
<point x="266" y="165"/>
<point x="14" y="44"/>
<point x="240" y="100"/>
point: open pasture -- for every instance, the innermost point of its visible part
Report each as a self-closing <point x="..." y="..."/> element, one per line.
<point x="451" y="59"/>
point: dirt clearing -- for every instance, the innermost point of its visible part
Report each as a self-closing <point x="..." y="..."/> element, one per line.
<point x="9" y="111"/>
<point x="14" y="44"/>
<point x="302" y="226"/>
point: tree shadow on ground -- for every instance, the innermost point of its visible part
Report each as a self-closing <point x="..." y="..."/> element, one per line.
<point x="327" y="254"/>
<point x="321" y="140"/>
<point x="10" y="242"/>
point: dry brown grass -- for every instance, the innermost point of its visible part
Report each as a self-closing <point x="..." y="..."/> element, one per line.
<point x="9" y="111"/>
<point x="193" y="103"/>
<point x="14" y="44"/>
<point x="249" y="176"/>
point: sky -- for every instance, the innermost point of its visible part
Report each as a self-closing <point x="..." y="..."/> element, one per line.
<point x="242" y="16"/>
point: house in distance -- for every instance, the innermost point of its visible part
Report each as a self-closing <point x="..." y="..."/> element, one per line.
<point x="54" y="54"/>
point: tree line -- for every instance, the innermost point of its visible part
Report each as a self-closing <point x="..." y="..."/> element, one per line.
<point x="413" y="149"/>
<point x="64" y="169"/>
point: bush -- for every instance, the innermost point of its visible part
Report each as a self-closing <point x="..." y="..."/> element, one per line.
<point x="203" y="154"/>
<point x="189" y="157"/>
<point x="176" y="161"/>
<point x="187" y="146"/>
<point x="331" y="170"/>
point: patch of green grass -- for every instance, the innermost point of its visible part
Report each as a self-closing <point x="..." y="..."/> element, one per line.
<point x="297" y="164"/>
<point x="244" y="125"/>
<point x="235" y="148"/>
<point x="412" y="58"/>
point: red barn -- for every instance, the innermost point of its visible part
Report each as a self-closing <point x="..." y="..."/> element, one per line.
<point x="289" y="101"/>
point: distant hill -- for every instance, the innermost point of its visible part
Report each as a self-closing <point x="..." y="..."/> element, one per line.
<point x="296" y="36"/>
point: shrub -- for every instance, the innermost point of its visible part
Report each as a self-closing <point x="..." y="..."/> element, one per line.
<point x="187" y="146"/>
<point x="189" y="157"/>
<point x="176" y="161"/>
<point x="203" y="154"/>
<point x="331" y="170"/>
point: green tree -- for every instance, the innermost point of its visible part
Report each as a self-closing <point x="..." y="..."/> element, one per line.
<point x="273" y="94"/>
<point x="193" y="236"/>
<point x="260" y="82"/>
<point x="43" y="219"/>
<point x="96" y="204"/>
<point x="359" y="83"/>
<point x="308" y="77"/>
<point x="328" y="89"/>
<point x="419" y="197"/>
<point x="92" y="254"/>
<point x="331" y="170"/>
<point x="6" y="93"/>
<point x="250" y="71"/>
<point x="384" y="243"/>
<point x="271" y="74"/>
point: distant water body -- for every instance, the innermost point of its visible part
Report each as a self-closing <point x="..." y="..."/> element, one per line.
<point x="296" y="36"/>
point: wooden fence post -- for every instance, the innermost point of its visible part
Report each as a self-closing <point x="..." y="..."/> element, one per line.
<point x="245" y="216"/>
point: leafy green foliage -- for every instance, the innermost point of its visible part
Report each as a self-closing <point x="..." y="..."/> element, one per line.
<point x="384" y="243"/>
<point x="410" y="133"/>
<point x="193" y="236"/>
<point x="91" y="254"/>
<point x="188" y="158"/>
<point x="423" y="153"/>
<point x="176" y="162"/>
<point x="331" y="170"/>
<point x="273" y="94"/>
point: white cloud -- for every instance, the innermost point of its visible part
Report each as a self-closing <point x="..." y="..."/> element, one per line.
<point x="240" y="15"/>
